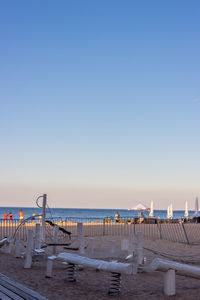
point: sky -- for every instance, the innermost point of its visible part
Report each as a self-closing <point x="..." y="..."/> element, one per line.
<point x="100" y="103"/>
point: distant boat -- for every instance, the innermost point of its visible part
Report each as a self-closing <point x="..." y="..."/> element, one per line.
<point x="140" y="207"/>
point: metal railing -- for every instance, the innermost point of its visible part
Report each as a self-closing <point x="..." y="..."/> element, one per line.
<point x="172" y="231"/>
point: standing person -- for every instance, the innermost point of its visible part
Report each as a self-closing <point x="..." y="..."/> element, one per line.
<point x="117" y="216"/>
<point x="21" y="215"/>
<point x="33" y="217"/>
<point x="10" y="217"/>
<point x="5" y="217"/>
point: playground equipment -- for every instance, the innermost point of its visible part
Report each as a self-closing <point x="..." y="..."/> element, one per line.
<point x="170" y="269"/>
<point x="6" y="244"/>
<point x="73" y="260"/>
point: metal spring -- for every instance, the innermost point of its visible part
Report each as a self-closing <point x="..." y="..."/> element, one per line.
<point x="71" y="273"/>
<point x="115" y="283"/>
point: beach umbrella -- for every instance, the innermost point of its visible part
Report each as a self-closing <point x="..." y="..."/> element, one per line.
<point x="151" y="214"/>
<point x="196" y="213"/>
<point x="171" y="211"/>
<point x="168" y="212"/>
<point x="186" y="210"/>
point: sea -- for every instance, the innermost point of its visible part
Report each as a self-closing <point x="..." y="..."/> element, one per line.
<point x="84" y="213"/>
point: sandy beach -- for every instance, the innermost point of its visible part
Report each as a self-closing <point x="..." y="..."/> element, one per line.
<point x="92" y="284"/>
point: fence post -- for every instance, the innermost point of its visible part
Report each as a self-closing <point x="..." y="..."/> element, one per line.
<point x="91" y="246"/>
<point x="43" y="217"/>
<point x="55" y="238"/>
<point x="29" y="248"/>
<point x="81" y="240"/>
<point x="18" y="248"/>
<point x="170" y="283"/>
<point x="104" y="226"/>
<point x="185" y="234"/>
<point x="37" y="236"/>
<point x="112" y="247"/>
<point x="131" y="244"/>
<point x="139" y="249"/>
<point x="159" y="229"/>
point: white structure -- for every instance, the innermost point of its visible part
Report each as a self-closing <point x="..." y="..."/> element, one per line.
<point x="170" y="211"/>
<point x="140" y="207"/>
<point x="6" y="243"/>
<point x="31" y="252"/>
<point x="29" y="249"/>
<point x="18" y="248"/>
<point x="81" y="240"/>
<point x="139" y="248"/>
<point x="181" y="269"/>
<point x="75" y="259"/>
<point x="170" y="269"/>
<point x="186" y="210"/>
<point x="37" y="237"/>
<point x="151" y="214"/>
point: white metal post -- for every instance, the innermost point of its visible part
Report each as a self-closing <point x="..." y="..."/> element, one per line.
<point x="112" y="247"/>
<point x="124" y="245"/>
<point x="18" y="248"/>
<point x="131" y="246"/>
<point x="37" y="237"/>
<point x="91" y="246"/>
<point x="81" y="240"/>
<point x="170" y="283"/>
<point x="55" y="238"/>
<point x="29" y="248"/>
<point x="139" y="248"/>
<point x="43" y="217"/>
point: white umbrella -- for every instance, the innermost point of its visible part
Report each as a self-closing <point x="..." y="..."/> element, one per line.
<point x="196" y="213"/>
<point x="168" y="212"/>
<point x="151" y="214"/>
<point x="171" y="211"/>
<point x="186" y="210"/>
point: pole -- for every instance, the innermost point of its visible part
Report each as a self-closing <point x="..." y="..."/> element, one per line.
<point x="43" y="217"/>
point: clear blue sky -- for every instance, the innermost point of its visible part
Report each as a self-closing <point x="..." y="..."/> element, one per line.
<point x="100" y="102"/>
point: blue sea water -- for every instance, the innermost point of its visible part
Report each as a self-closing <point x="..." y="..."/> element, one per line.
<point x="84" y="213"/>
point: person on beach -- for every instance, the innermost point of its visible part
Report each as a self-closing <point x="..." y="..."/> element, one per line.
<point x="33" y="217"/>
<point x="5" y="217"/>
<point x="21" y="215"/>
<point x="10" y="217"/>
<point x="117" y="216"/>
<point x="141" y="217"/>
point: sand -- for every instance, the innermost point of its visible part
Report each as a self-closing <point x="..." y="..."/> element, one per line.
<point x="93" y="284"/>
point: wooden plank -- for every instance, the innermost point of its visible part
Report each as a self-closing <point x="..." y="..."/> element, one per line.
<point x="17" y="292"/>
<point x="4" y="297"/>
<point x="7" y="294"/>
<point x="20" y="289"/>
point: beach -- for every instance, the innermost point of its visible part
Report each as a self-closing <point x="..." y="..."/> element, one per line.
<point x="92" y="284"/>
